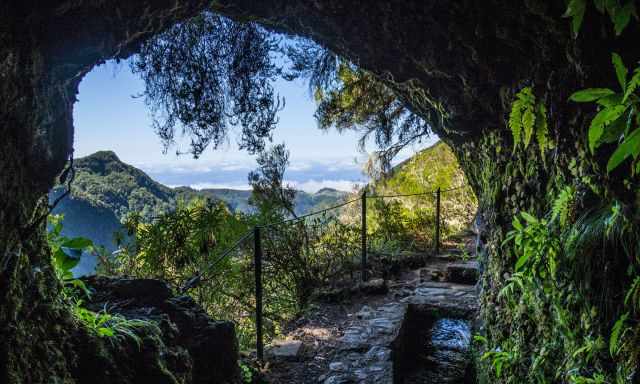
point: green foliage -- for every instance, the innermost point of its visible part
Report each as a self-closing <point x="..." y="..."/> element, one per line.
<point x="411" y="220"/>
<point x="619" y="11"/>
<point x="558" y="327"/>
<point x="105" y="182"/>
<point x="536" y="247"/>
<point x="113" y="327"/>
<point x="618" y="117"/>
<point x="499" y="359"/>
<point x="177" y="244"/>
<point x="66" y="255"/>
<point x="297" y="258"/>
<point x="562" y="206"/>
<point x="528" y="119"/>
<point x="246" y="373"/>
<point x="357" y="100"/>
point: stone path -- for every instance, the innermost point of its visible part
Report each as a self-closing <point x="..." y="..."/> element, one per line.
<point x="417" y="332"/>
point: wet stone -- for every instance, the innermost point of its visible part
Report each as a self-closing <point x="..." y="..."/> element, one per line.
<point x="287" y="349"/>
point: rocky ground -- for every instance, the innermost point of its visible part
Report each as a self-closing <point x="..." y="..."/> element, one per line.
<point x="417" y="329"/>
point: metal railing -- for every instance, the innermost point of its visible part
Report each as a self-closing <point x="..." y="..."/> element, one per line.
<point x="259" y="231"/>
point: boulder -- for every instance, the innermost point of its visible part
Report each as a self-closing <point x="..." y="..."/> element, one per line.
<point x="462" y="273"/>
<point x="186" y="345"/>
<point x="285" y="349"/>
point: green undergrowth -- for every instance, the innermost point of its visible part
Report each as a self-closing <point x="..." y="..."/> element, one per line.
<point x="569" y="311"/>
<point x="409" y="222"/>
<point x="66" y="254"/>
<point x="562" y="280"/>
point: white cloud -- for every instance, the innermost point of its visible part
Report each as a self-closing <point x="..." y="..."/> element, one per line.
<point x="298" y="167"/>
<point x="195" y="167"/>
<point x="234" y="167"/>
<point x="316" y="185"/>
<point x="220" y="185"/>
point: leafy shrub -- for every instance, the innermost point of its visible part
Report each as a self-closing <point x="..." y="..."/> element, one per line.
<point x="618" y="119"/>
<point x="66" y="254"/>
<point x="556" y="307"/>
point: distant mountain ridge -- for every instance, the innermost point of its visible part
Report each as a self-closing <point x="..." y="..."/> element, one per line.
<point x="105" y="190"/>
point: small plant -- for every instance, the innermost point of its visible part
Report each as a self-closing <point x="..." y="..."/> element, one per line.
<point x="499" y="359"/>
<point x="528" y="119"/>
<point x="618" y="117"/>
<point x="66" y="254"/>
<point x="246" y="372"/>
<point x="620" y="13"/>
<point x="597" y="378"/>
<point x="536" y="246"/>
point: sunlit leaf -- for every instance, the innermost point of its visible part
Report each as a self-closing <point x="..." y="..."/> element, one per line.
<point x="522" y="260"/>
<point x="590" y="94"/>
<point x="603" y="118"/>
<point x="629" y="147"/>
<point x="621" y="70"/>
<point x="529" y="218"/>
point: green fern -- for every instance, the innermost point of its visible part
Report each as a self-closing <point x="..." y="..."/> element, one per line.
<point x="562" y="206"/>
<point x="522" y="117"/>
<point x="528" y="119"/>
<point x="617" y="333"/>
<point x="634" y="84"/>
<point x="542" y="129"/>
<point x="515" y="122"/>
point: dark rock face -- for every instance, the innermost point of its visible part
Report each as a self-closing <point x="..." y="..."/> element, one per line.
<point x="191" y="347"/>
<point x="462" y="273"/>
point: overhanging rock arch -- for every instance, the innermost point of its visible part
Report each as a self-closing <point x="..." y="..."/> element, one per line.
<point x="470" y="56"/>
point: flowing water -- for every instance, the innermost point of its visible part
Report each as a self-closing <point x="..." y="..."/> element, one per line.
<point x="445" y="357"/>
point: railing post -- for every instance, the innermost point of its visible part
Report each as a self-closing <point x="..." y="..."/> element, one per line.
<point x="257" y="256"/>
<point x="363" y="235"/>
<point x="437" y="237"/>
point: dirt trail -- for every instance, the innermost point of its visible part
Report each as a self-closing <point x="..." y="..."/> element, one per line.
<point x="418" y="330"/>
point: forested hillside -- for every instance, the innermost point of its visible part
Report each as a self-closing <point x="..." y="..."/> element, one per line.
<point x="432" y="168"/>
<point x="105" y="190"/>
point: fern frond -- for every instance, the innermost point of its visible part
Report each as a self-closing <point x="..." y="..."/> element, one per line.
<point x="528" y="125"/>
<point x="561" y="205"/>
<point x="522" y="117"/>
<point x="542" y="129"/>
<point x="515" y="122"/>
<point x="634" y="84"/>
<point x="616" y="335"/>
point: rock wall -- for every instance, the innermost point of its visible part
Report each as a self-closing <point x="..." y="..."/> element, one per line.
<point x="189" y="347"/>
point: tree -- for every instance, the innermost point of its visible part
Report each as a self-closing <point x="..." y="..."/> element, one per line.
<point x="269" y="190"/>
<point x="351" y="98"/>
<point x="209" y="74"/>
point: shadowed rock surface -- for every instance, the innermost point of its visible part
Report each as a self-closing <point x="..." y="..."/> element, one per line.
<point x="190" y="347"/>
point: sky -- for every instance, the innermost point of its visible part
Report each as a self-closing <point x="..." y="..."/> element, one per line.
<point x="109" y="116"/>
